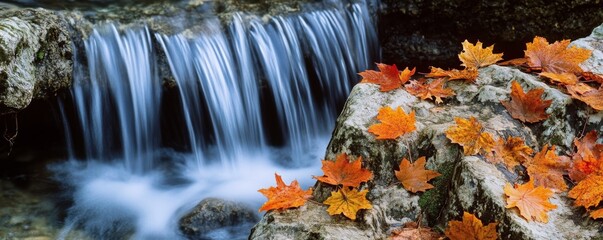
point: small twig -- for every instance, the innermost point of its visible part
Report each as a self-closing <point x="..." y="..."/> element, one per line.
<point x="11" y="138"/>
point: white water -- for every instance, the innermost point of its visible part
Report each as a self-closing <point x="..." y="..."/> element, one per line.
<point x="237" y="89"/>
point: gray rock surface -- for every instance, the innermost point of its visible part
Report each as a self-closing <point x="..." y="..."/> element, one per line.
<point x="420" y="32"/>
<point x="215" y="214"/>
<point x="35" y="56"/>
<point x="468" y="183"/>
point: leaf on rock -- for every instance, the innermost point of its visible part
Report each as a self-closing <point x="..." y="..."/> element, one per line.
<point x="454" y="74"/>
<point x="470" y="134"/>
<point x="388" y="77"/>
<point x="597" y="214"/>
<point x="411" y="231"/>
<point x="587" y="94"/>
<point x="474" y="56"/>
<point x="561" y="78"/>
<point x="590" y="76"/>
<point x="429" y="90"/>
<point x="394" y="123"/>
<point x="514" y="62"/>
<point x="547" y="169"/>
<point x="342" y="172"/>
<point x="555" y="57"/>
<point x="589" y="192"/>
<point x="348" y="202"/>
<point x="588" y="158"/>
<point x="533" y="203"/>
<point x="414" y="176"/>
<point x="527" y="107"/>
<point x="471" y="228"/>
<point x="283" y="196"/>
<point x="511" y="152"/>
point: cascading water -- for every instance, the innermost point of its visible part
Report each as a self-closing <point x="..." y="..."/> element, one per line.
<point x="260" y="97"/>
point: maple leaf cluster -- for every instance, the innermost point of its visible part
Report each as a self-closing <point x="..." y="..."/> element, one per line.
<point x="587" y="171"/>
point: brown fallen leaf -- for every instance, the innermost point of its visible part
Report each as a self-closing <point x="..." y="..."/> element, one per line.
<point x="512" y="152"/>
<point x="414" y="232"/>
<point x="588" y="158"/>
<point x="470" y="228"/>
<point x="470" y="134"/>
<point x="430" y="90"/>
<point x="454" y="74"/>
<point x="555" y="57"/>
<point x="546" y="169"/>
<point x="589" y="95"/>
<point x="527" y="107"/>
<point x="414" y="176"/>
<point x="561" y="78"/>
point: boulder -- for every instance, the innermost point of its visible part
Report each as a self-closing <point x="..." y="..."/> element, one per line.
<point x="467" y="183"/>
<point x="212" y="214"/>
<point x="35" y="56"/>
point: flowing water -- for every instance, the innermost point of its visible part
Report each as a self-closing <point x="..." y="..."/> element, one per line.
<point x="253" y="98"/>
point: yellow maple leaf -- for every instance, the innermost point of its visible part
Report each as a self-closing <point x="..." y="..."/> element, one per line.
<point x="474" y="56"/>
<point x="348" y="202"/>
<point x="414" y="176"/>
<point x="533" y="203"/>
<point x="546" y="169"/>
<point x="470" y="228"/>
<point x="561" y="78"/>
<point x="589" y="192"/>
<point x="555" y="57"/>
<point x="394" y="123"/>
<point x="341" y="171"/>
<point x="470" y="134"/>
<point x="283" y="196"/>
<point x="511" y="152"/>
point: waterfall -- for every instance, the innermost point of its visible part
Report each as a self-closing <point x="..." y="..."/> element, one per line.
<point x="254" y="96"/>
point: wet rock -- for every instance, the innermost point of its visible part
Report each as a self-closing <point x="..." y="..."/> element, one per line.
<point x="467" y="183"/>
<point x="35" y="56"/>
<point x="423" y="33"/>
<point x="213" y="214"/>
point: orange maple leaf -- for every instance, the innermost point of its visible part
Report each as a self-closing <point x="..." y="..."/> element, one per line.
<point x="348" y="202"/>
<point x="412" y="231"/>
<point x="588" y="193"/>
<point x="561" y="78"/>
<point x="597" y="213"/>
<point x="555" y="57"/>
<point x="533" y="203"/>
<point x="342" y="172"/>
<point x="429" y="90"/>
<point x="547" y="169"/>
<point x="511" y="152"/>
<point x="453" y="74"/>
<point x="394" y="123"/>
<point x="283" y="196"/>
<point x="589" y="95"/>
<point x="389" y="78"/>
<point x="470" y="134"/>
<point x="474" y="56"/>
<point x="527" y="107"/>
<point x="414" y="176"/>
<point x="470" y="228"/>
<point x="588" y="158"/>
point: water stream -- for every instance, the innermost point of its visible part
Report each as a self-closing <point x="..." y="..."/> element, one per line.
<point x="255" y="97"/>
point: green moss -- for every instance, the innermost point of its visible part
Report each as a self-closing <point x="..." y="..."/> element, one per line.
<point x="433" y="201"/>
<point x="40" y="54"/>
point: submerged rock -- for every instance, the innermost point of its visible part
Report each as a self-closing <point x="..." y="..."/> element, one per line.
<point x="468" y="183"/>
<point x="213" y="214"/>
<point x="35" y="56"/>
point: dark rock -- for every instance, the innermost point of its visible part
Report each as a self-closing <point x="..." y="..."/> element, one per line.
<point x="428" y="33"/>
<point x="35" y="56"/>
<point x="214" y="214"/>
